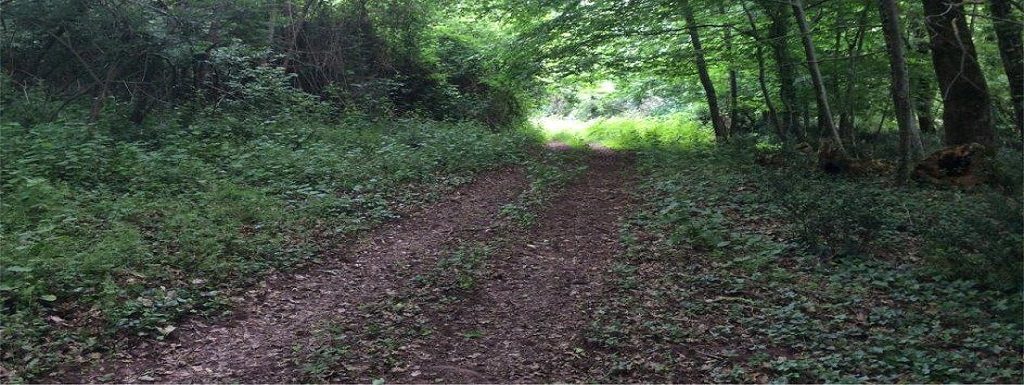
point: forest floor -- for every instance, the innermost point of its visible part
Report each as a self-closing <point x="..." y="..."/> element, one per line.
<point x="456" y="292"/>
<point x="686" y="274"/>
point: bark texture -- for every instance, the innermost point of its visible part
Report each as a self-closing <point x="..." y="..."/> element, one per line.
<point x="721" y="132"/>
<point x="778" y="39"/>
<point x="967" y="105"/>
<point x="762" y="80"/>
<point x="1008" y="32"/>
<point x="821" y="95"/>
<point x="911" y="149"/>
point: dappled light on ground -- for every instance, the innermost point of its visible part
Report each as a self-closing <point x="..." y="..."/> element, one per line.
<point x="596" y="148"/>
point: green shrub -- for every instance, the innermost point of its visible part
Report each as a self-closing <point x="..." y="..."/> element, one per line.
<point x="136" y="234"/>
<point x="834" y="219"/>
<point x="978" y="238"/>
<point x="974" y="235"/>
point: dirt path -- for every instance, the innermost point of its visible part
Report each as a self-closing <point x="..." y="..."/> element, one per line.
<point x="255" y="347"/>
<point x="522" y="323"/>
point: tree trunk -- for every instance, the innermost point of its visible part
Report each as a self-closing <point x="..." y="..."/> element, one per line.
<point x="761" y="77"/>
<point x="734" y="91"/>
<point x="295" y="29"/>
<point x="101" y="99"/>
<point x="778" y="35"/>
<point x="733" y="76"/>
<point x="923" y="102"/>
<point x="1008" y="32"/>
<point x="805" y="114"/>
<point x="705" y="77"/>
<point x="847" y="115"/>
<point x="733" y="99"/>
<point x="821" y="95"/>
<point x="923" y="84"/>
<point x="140" y="95"/>
<point x="967" y="106"/>
<point x="911" y="149"/>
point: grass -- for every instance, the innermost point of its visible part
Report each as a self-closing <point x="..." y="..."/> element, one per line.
<point x="106" y="237"/>
<point x="676" y="130"/>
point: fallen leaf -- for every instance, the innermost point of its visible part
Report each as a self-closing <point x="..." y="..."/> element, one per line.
<point x="166" y="329"/>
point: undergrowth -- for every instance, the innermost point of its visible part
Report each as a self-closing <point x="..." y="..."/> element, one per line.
<point x="674" y="130"/>
<point x="740" y="273"/>
<point x="110" y="237"/>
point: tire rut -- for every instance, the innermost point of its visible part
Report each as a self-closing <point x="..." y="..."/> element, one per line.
<point x="524" y="323"/>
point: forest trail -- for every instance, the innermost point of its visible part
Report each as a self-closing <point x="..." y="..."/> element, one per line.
<point x="524" y="323"/>
<point x="521" y="323"/>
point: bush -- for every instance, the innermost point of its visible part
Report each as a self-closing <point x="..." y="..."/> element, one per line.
<point x="249" y="87"/>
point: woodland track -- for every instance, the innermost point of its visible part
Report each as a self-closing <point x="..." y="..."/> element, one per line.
<point x="526" y="315"/>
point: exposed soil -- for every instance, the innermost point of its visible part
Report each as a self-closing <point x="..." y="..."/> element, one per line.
<point x="255" y="346"/>
<point x="524" y="324"/>
<point x="521" y="323"/>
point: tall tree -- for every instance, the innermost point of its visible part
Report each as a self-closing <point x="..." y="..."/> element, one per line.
<point x="734" y="88"/>
<point x="821" y="95"/>
<point x="923" y="84"/>
<point x="702" y="68"/>
<point x="848" y="107"/>
<point x="778" y="39"/>
<point x="911" y="149"/>
<point x="967" y="105"/>
<point x="761" y="75"/>
<point x="1008" y="32"/>
<point x="924" y="100"/>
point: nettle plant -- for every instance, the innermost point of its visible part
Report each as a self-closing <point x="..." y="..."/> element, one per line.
<point x="252" y="84"/>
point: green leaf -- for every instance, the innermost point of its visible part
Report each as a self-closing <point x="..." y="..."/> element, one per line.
<point x="48" y="297"/>
<point x="19" y="269"/>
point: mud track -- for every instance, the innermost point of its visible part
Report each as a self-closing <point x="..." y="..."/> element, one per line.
<point x="527" y="314"/>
